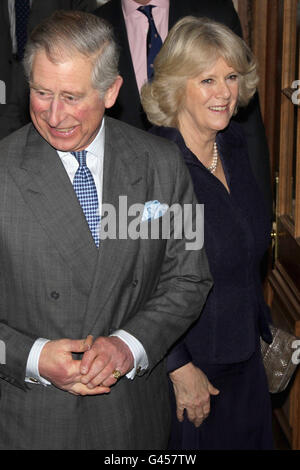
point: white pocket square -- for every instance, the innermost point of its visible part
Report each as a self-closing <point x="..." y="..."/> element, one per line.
<point x="153" y="210"/>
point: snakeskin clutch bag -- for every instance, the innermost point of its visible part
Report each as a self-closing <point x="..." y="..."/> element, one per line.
<point x="280" y="358"/>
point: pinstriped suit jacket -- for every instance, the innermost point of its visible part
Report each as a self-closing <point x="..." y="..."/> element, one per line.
<point x="54" y="283"/>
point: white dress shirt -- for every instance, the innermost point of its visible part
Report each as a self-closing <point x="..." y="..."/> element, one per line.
<point x="95" y="158"/>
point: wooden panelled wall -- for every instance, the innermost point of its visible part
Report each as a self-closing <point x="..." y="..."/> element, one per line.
<point x="261" y="22"/>
<point x="270" y="29"/>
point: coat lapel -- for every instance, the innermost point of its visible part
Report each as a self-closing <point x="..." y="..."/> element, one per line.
<point x="129" y="87"/>
<point x="4" y="13"/>
<point x="123" y="175"/>
<point x="46" y="188"/>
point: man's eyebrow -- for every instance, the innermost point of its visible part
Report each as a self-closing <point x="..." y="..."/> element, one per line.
<point x="73" y="93"/>
<point x="36" y="86"/>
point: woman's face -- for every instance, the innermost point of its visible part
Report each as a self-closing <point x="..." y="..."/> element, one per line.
<point x="210" y="99"/>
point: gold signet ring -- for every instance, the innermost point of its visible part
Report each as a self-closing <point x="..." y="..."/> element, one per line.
<point x="116" y="374"/>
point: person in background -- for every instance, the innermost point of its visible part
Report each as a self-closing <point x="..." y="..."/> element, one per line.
<point x="17" y="19"/>
<point x="219" y="392"/>
<point x="131" y="20"/>
<point x="63" y="279"/>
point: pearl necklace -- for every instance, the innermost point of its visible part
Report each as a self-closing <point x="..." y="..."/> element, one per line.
<point x="214" y="163"/>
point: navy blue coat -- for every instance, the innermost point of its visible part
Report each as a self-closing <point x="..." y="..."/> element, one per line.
<point x="236" y="236"/>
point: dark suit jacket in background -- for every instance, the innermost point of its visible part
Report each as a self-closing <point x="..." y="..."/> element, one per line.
<point x="128" y="107"/>
<point x="14" y="113"/>
<point x="54" y="283"/>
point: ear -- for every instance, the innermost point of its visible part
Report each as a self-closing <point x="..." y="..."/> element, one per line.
<point x="112" y="93"/>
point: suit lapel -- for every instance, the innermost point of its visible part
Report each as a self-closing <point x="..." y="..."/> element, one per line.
<point x="46" y="188"/>
<point x="4" y="13"/>
<point x="5" y="22"/>
<point x="177" y="10"/>
<point x="225" y="152"/>
<point x="129" y="87"/>
<point x="40" y="10"/>
<point x="37" y="13"/>
<point x="124" y="174"/>
<point x="125" y="58"/>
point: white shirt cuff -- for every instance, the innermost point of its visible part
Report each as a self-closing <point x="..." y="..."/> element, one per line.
<point x="32" y="367"/>
<point x="138" y="352"/>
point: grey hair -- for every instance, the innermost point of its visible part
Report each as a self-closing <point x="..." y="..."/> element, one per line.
<point x="192" y="46"/>
<point x="66" y="33"/>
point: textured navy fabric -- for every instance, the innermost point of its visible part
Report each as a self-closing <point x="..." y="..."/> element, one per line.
<point x="154" y="41"/>
<point x="85" y="188"/>
<point x="224" y="342"/>
<point x="236" y="236"/>
<point x="22" y="9"/>
<point x="240" y="416"/>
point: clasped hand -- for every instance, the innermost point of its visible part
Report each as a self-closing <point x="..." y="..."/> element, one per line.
<point x="92" y="375"/>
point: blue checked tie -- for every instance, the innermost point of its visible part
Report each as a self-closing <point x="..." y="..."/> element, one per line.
<point x="154" y="41"/>
<point x="22" y="8"/>
<point x="85" y="189"/>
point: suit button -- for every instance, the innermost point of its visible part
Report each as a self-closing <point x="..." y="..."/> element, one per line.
<point x="54" y="295"/>
<point x="135" y="283"/>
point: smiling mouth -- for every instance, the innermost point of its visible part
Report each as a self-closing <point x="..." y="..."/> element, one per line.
<point x="62" y="131"/>
<point x="219" y="108"/>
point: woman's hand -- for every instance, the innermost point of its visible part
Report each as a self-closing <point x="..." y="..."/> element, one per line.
<point x="192" y="391"/>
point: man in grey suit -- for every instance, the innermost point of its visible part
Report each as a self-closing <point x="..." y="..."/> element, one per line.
<point x="86" y="323"/>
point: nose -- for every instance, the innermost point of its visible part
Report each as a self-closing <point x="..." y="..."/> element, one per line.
<point x="55" y="113"/>
<point x="223" y="90"/>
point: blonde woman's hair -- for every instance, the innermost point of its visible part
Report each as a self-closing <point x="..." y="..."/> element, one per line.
<point x="192" y="46"/>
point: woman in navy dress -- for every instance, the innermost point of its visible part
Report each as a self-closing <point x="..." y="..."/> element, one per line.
<point x="218" y="387"/>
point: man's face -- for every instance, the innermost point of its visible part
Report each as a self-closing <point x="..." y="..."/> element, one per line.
<point x="65" y="108"/>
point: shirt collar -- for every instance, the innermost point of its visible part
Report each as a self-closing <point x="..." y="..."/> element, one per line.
<point x="96" y="147"/>
<point x="130" y="6"/>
